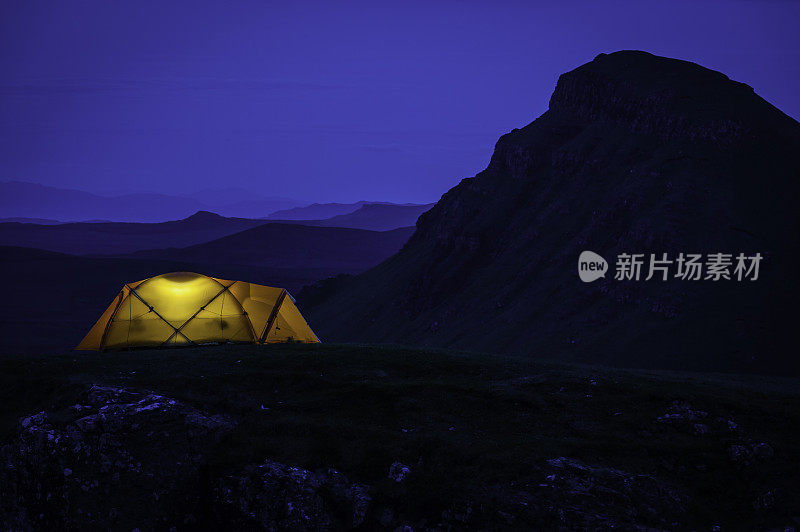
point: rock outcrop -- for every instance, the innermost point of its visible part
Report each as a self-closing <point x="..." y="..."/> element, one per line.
<point x="274" y="496"/>
<point x="124" y="455"/>
<point x="129" y="459"/>
<point x="601" y="498"/>
<point x="636" y="154"/>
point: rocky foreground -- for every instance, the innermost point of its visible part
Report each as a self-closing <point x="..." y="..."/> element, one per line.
<point x="327" y="437"/>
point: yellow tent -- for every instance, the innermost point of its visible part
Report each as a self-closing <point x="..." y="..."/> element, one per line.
<point x="187" y="308"/>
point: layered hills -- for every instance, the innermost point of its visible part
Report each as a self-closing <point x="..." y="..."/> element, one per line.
<point x="294" y="246"/>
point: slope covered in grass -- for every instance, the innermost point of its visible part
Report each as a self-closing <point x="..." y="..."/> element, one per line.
<point x="489" y="441"/>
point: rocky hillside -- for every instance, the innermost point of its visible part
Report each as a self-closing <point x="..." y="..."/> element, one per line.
<point x="636" y="154"/>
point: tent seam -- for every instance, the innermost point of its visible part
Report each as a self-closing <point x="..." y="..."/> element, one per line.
<point x="202" y="307"/>
<point x="244" y="312"/>
<point x="111" y="319"/>
<point x="152" y="309"/>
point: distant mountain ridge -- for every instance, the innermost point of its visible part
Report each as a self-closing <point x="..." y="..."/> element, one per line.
<point x="242" y="203"/>
<point x="108" y="238"/>
<point x="34" y="203"/>
<point x="315" y="211"/>
<point x="370" y="216"/>
<point x="379" y="216"/>
<point x="23" y="220"/>
<point x="636" y="154"/>
<point x="325" y="211"/>
<point x="30" y="200"/>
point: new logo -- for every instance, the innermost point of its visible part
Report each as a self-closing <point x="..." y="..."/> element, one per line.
<point x="591" y="266"/>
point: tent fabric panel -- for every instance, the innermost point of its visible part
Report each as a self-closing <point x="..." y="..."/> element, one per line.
<point x="177" y="339"/>
<point x="117" y="331"/>
<point x="208" y="326"/>
<point x="136" y="325"/>
<point x="279" y="332"/>
<point x="258" y="301"/>
<point x="134" y="308"/>
<point x="138" y="333"/>
<point x="178" y="296"/>
<point x="236" y="324"/>
<point x="201" y="330"/>
<point x="229" y="305"/>
<point x="298" y="324"/>
<point x="93" y="339"/>
<point x="221" y="318"/>
<point x="290" y="326"/>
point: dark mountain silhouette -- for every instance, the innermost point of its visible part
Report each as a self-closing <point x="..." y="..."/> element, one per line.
<point x="371" y="216"/>
<point x="378" y="217"/>
<point x="23" y="220"/>
<point x="281" y="245"/>
<point x="242" y="203"/>
<point x="112" y="238"/>
<point x="315" y="211"/>
<point x="323" y="211"/>
<point x="636" y="154"/>
<point x="253" y="208"/>
<point x="108" y="238"/>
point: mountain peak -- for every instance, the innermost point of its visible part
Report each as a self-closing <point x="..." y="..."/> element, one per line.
<point x="204" y="215"/>
<point x="662" y="96"/>
<point x="636" y="154"/>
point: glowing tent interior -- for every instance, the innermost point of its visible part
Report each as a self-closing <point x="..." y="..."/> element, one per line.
<point x="187" y="308"/>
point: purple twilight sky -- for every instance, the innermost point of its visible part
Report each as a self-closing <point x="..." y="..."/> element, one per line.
<point x="329" y="101"/>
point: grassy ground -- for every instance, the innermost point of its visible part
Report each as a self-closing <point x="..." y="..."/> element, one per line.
<point x="463" y="422"/>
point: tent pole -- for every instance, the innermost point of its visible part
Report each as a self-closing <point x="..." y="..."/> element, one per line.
<point x="178" y="330"/>
<point x="273" y="316"/>
<point x="244" y="312"/>
<point x="154" y="311"/>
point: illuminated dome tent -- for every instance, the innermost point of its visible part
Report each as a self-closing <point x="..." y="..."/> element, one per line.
<point x="189" y="309"/>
